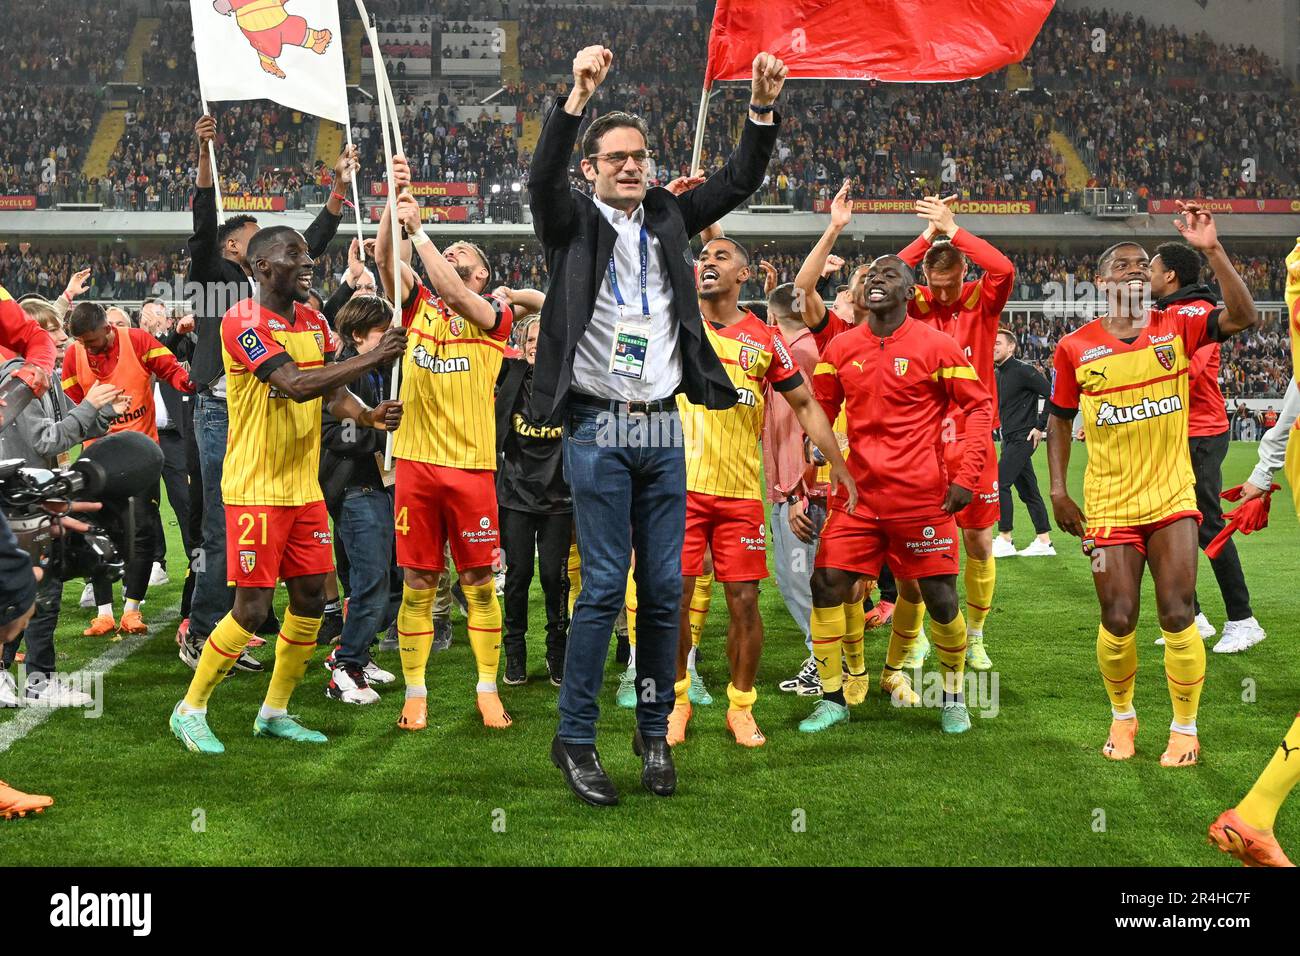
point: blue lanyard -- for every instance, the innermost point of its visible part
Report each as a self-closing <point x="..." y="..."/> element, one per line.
<point x="645" y="264"/>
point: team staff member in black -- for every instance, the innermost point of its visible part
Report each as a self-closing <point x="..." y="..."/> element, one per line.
<point x="1020" y="386"/>
<point x="536" y="512"/>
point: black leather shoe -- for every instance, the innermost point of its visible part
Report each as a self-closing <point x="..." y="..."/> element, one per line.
<point x="658" y="775"/>
<point x="584" y="775"/>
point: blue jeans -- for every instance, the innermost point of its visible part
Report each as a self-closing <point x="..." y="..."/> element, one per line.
<point x="212" y="597"/>
<point x="365" y="526"/>
<point x="626" y="495"/>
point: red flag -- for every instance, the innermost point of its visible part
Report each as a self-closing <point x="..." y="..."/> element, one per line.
<point x="895" y="40"/>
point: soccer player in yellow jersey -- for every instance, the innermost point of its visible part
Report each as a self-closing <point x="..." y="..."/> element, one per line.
<point x="724" y="491"/>
<point x="446" y="454"/>
<point x="277" y="353"/>
<point x="1128" y="373"/>
<point x="1246" y="830"/>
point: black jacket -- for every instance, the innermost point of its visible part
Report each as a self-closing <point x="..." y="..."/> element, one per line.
<point x="209" y="267"/>
<point x="1020" y="386"/>
<point x="578" y="241"/>
<point x="351" y="463"/>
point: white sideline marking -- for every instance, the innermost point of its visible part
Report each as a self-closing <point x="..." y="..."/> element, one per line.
<point x="29" y="718"/>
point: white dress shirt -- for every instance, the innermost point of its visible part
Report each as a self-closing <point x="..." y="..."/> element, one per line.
<point x="663" y="363"/>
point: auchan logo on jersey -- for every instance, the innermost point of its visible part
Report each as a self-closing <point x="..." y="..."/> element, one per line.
<point x="1109" y="414"/>
<point x="433" y="363"/>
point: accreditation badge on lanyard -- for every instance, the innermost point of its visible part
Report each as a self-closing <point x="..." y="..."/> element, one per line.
<point x="632" y="332"/>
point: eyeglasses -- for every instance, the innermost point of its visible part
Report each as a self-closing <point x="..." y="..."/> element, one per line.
<point x="619" y="159"/>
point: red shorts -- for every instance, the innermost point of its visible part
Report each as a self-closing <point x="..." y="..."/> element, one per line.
<point x="270" y="42"/>
<point x="912" y="547"/>
<point x="266" y="543"/>
<point x="1137" y="535"/>
<point x="733" y="529"/>
<point x="985" y="506"/>
<point x="437" y="506"/>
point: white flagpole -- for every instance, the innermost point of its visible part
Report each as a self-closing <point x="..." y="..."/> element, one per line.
<point x="212" y="159"/>
<point x="356" y="202"/>
<point x="699" y="132"/>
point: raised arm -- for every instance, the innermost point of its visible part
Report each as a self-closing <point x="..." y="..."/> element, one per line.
<point x="1198" y="228"/>
<point x="814" y="267"/>
<point x="205" y="250"/>
<point x="466" y="303"/>
<point x="384" y="240"/>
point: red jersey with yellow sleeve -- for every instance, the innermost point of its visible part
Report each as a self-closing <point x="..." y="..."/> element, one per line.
<point x="896" y="392"/>
<point x="974" y="318"/>
<point x="131" y="363"/>
<point x="273" y="446"/>
<point x="449" y="376"/>
<point x="1134" y="400"/>
<point x="21" y="335"/>
<point x="723" y="457"/>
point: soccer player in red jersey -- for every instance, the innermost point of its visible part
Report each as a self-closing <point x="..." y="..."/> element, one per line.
<point x="969" y="311"/>
<point x="896" y="379"/>
<point x="1176" y="277"/>
<point x="1127" y="372"/>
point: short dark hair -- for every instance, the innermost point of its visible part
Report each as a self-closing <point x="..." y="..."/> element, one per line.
<point x="907" y="269"/>
<point x="744" y="253"/>
<point x="267" y="239"/>
<point x="1107" y="254"/>
<point x="780" y="302"/>
<point x="86" y="317"/>
<point x="1182" y="260"/>
<point x="232" y="225"/>
<point x="360" y="314"/>
<point x="478" y="251"/>
<point x="943" y="255"/>
<point x="603" y="124"/>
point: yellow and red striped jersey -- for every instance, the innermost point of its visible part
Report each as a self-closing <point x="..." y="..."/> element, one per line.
<point x="273" y="446"/>
<point x="1134" y="400"/>
<point x="449" y="375"/>
<point x="723" y="457"/>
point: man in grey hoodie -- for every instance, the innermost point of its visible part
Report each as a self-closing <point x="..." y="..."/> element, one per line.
<point x="41" y="436"/>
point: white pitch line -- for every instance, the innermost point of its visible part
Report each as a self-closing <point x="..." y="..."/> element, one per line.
<point x="30" y="718"/>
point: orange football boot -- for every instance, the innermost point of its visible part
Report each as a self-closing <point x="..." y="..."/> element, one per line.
<point x="677" y="721"/>
<point x="415" y="714"/>
<point x="1122" y="742"/>
<point x="1231" y="834"/>
<point x="133" y="623"/>
<point x="1183" y="750"/>
<point x="101" y="625"/>
<point x="742" y="725"/>
<point x="494" y="713"/>
<point x="15" y="803"/>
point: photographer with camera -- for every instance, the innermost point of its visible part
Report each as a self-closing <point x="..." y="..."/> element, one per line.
<point x="41" y="435"/>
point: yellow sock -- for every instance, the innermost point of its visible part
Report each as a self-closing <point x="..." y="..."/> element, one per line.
<point x="629" y="607"/>
<point x="680" y="689"/>
<point x="700" y="602"/>
<point x="1259" y="807"/>
<point x="949" y="642"/>
<point x="827" y="627"/>
<point x="906" y="626"/>
<point x="220" y="652"/>
<point x="741" y="699"/>
<point x="854" y="648"/>
<point x="415" y="635"/>
<point x="293" y="651"/>
<point x="1185" y="673"/>
<point x="484" y="625"/>
<point x="575" y="576"/>
<point x="1117" y="657"/>
<point x="981" y="576"/>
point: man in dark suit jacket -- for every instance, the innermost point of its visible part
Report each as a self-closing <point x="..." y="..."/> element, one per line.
<point x="621" y="335"/>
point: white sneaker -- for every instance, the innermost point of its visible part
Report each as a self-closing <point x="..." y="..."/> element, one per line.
<point x="158" y="577"/>
<point x="349" y="685"/>
<point x="88" y="595"/>
<point x="8" y="690"/>
<point x="1239" y="635"/>
<point x="56" y="694"/>
<point x="1003" y="548"/>
<point x="1204" y="627"/>
<point x="377" y="675"/>
<point x="1037" y="549"/>
<point x="500" y="583"/>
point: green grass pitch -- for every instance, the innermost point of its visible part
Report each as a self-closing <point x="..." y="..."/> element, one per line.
<point x="1026" y="787"/>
